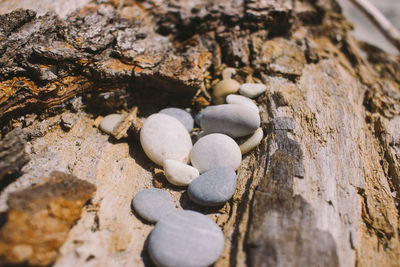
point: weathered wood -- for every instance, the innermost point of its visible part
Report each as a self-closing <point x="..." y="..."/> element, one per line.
<point x="322" y="188"/>
<point x="12" y="153"/>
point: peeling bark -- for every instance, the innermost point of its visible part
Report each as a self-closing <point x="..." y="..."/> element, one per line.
<point x="12" y="153"/>
<point x="39" y="218"/>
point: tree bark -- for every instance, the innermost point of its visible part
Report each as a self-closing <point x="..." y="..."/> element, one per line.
<point x="320" y="190"/>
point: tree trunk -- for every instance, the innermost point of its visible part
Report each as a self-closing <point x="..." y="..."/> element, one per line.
<point x="320" y="190"/>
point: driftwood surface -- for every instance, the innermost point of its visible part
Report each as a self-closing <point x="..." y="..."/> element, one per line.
<point x="320" y="190"/>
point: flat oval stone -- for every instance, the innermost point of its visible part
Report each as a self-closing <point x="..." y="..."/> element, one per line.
<point x="243" y="100"/>
<point x="235" y="120"/>
<point x="109" y="122"/>
<point x="185" y="239"/>
<point x="164" y="137"/>
<point x="178" y="173"/>
<point x="200" y="115"/>
<point x="252" y="90"/>
<point x="223" y="88"/>
<point x="215" y="150"/>
<point x="181" y="115"/>
<point x="214" y="187"/>
<point x="251" y="142"/>
<point x="152" y="204"/>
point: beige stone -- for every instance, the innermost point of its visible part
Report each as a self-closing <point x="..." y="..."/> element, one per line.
<point x="224" y="88"/>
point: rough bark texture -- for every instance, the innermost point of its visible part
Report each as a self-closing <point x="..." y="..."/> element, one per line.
<point x="322" y="188"/>
<point x="12" y="153"/>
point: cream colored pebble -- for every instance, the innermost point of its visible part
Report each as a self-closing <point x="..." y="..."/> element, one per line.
<point x="253" y="141"/>
<point x="163" y="137"/>
<point x="224" y="88"/>
<point x="252" y="90"/>
<point x="227" y="73"/>
<point x="109" y="122"/>
<point x="178" y="173"/>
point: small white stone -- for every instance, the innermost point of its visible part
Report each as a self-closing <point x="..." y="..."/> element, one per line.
<point x="253" y="141"/>
<point x="109" y="122"/>
<point x="164" y="137"/>
<point x="178" y="173"/>
<point x="223" y="88"/>
<point x="215" y="150"/>
<point x="243" y="100"/>
<point x="252" y="90"/>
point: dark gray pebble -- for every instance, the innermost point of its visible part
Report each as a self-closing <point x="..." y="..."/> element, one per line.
<point x="214" y="187"/>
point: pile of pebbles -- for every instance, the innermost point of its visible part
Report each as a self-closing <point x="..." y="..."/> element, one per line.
<point x="184" y="237"/>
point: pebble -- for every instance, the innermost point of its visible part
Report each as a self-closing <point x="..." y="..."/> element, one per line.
<point x="227" y="73"/>
<point x="109" y="122"/>
<point x="164" y="137"/>
<point x="200" y="115"/>
<point x="181" y="115"/>
<point x="214" y="187"/>
<point x="185" y="239"/>
<point x="215" y="150"/>
<point x="252" y="90"/>
<point x="223" y="88"/>
<point x="152" y="204"/>
<point x="239" y="99"/>
<point x="253" y="141"/>
<point x="178" y="173"/>
<point x="235" y="120"/>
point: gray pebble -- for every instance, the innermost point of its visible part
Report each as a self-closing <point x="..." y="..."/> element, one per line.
<point x="185" y="239"/>
<point x="214" y="187"/>
<point x="152" y="204"/>
<point x="200" y="115"/>
<point x="181" y="115"/>
<point x="235" y="120"/>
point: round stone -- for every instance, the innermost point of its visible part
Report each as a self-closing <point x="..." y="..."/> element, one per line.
<point x="223" y="88"/>
<point x="243" y="100"/>
<point x="185" y="239"/>
<point x="235" y="120"/>
<point x="215" y="150"/>
<point x="252" y="90"/>
<point x="109" y="122"/>
<point x="251" y="142"/>
<point x="164" y="137"/>
<point x="152" y="204"/>
<point x="178" y="173"/>
<point x="181" y="115"/>
<point x="214" y="187"/>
